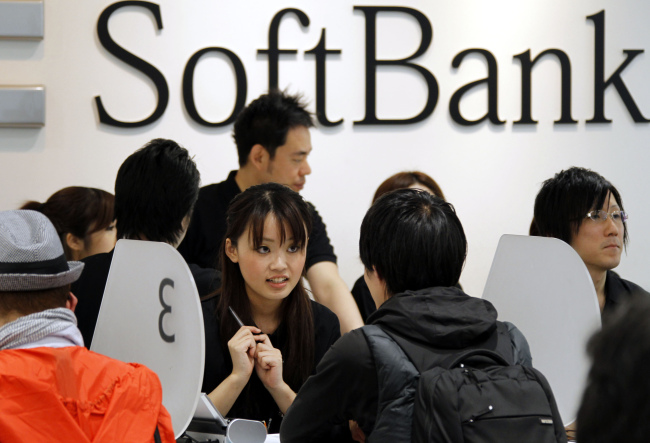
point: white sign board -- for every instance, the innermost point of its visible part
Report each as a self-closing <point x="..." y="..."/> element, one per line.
<point x="151" y="314"/>
<point x="485" y="170"/>
<point x="542" y="286"/>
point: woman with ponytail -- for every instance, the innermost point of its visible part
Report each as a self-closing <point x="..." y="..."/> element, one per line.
<point x="83" y="218"/>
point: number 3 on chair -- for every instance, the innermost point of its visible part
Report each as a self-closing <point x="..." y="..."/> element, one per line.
<point x="167" y="309"/>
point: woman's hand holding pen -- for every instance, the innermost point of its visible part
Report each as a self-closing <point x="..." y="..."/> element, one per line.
<point x="248" y="351"/>
<point x="243" y="347"/>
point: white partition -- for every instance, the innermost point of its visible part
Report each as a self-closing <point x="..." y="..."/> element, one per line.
<point x="151" y="314"/>
<point x="543" y="287"/>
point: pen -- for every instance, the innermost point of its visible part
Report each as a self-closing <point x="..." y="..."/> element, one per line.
<point x="237" y="319"/>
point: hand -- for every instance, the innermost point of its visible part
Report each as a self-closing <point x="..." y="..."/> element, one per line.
<point x="357" y="432"/>
<point x="571" y="431"/>
<point x="268" y="364"/>
<point x="242" y="347"/>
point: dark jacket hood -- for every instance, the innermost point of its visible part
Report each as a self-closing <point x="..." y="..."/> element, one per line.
<point x="442" y="317"/>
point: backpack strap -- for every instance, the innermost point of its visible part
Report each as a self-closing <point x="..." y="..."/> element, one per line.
<point x="398" y="381"/>
<point x="504" y="343"/>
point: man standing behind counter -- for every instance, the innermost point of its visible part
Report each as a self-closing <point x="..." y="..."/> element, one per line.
<point x="273" y="143"/>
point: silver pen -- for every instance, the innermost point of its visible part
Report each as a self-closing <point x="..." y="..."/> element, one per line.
<point x="237" y="319"/>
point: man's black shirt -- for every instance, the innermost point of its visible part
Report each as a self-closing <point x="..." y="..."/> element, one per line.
<point x="205" y="234"/>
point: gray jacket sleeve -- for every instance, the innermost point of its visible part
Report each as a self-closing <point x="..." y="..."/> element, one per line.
<point x="520" y="348"/>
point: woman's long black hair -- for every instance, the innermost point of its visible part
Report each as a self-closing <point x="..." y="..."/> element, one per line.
<point x="248" y="212"/>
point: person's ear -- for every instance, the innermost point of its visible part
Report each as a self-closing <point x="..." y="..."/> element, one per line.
<point x="74" y="243"/>
<point x="76" y="246"/>
<point x="71" y="302"/>
<point x="259" y="157"/>
<point x="231" y="251"/>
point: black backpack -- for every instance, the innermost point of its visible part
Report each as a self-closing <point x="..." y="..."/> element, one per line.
<point x="472" y="396"/>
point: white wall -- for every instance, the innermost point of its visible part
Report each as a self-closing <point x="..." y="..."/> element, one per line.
<point x="490" y="173"/>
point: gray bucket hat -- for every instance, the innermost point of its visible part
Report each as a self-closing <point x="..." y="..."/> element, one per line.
<point x="31" y="255"/>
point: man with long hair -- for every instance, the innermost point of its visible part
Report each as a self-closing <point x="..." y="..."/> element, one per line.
<point x="586" y="211"/>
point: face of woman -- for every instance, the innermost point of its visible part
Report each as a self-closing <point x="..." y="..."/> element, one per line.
<point x="272" y="270"/>
<point x="99" y="241"/>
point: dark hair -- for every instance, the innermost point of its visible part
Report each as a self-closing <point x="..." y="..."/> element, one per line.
<point x="77" y="210"/>
<point x="615" y="404"/>
<point x="247" y="213"/>
<point x="267" y="120"/>
<point x="30" y="302"/>
<point x="406" y="179"/>
<point x="533" y="230"/>
<point x="564" y="201"/>
<point x="414" y="240"/>
<point x="155" y="189"/>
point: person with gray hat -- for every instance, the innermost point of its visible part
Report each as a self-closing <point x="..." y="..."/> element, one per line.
<point x="51" y="387"/>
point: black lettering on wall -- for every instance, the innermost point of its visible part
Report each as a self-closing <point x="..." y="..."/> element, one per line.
<point x="147" y="69"/>
<point x="320" y="53"/>
<point x="526" y="73"/>
<point x="273" y="52"/>
<point x="491" y="80"/>
<point x="188" y="86"/>
<point x="372" y="64"/>
<point x="600" y="84"/>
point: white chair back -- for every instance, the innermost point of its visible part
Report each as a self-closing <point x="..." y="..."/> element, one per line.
<point x="542" y="286"/>
<point x="151" y="314"/>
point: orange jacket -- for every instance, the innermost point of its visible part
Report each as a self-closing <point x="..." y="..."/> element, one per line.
<point x="74" y="395"/>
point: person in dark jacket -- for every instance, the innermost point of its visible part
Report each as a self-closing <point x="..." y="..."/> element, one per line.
<point x="401" y="180"/>
<point x="413" y="248"/>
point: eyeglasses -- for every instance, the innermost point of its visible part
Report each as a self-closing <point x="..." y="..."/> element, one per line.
<point x="601" y="216"/>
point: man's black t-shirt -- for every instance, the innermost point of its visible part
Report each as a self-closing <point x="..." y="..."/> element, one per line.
<point x="202" y="242"/>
